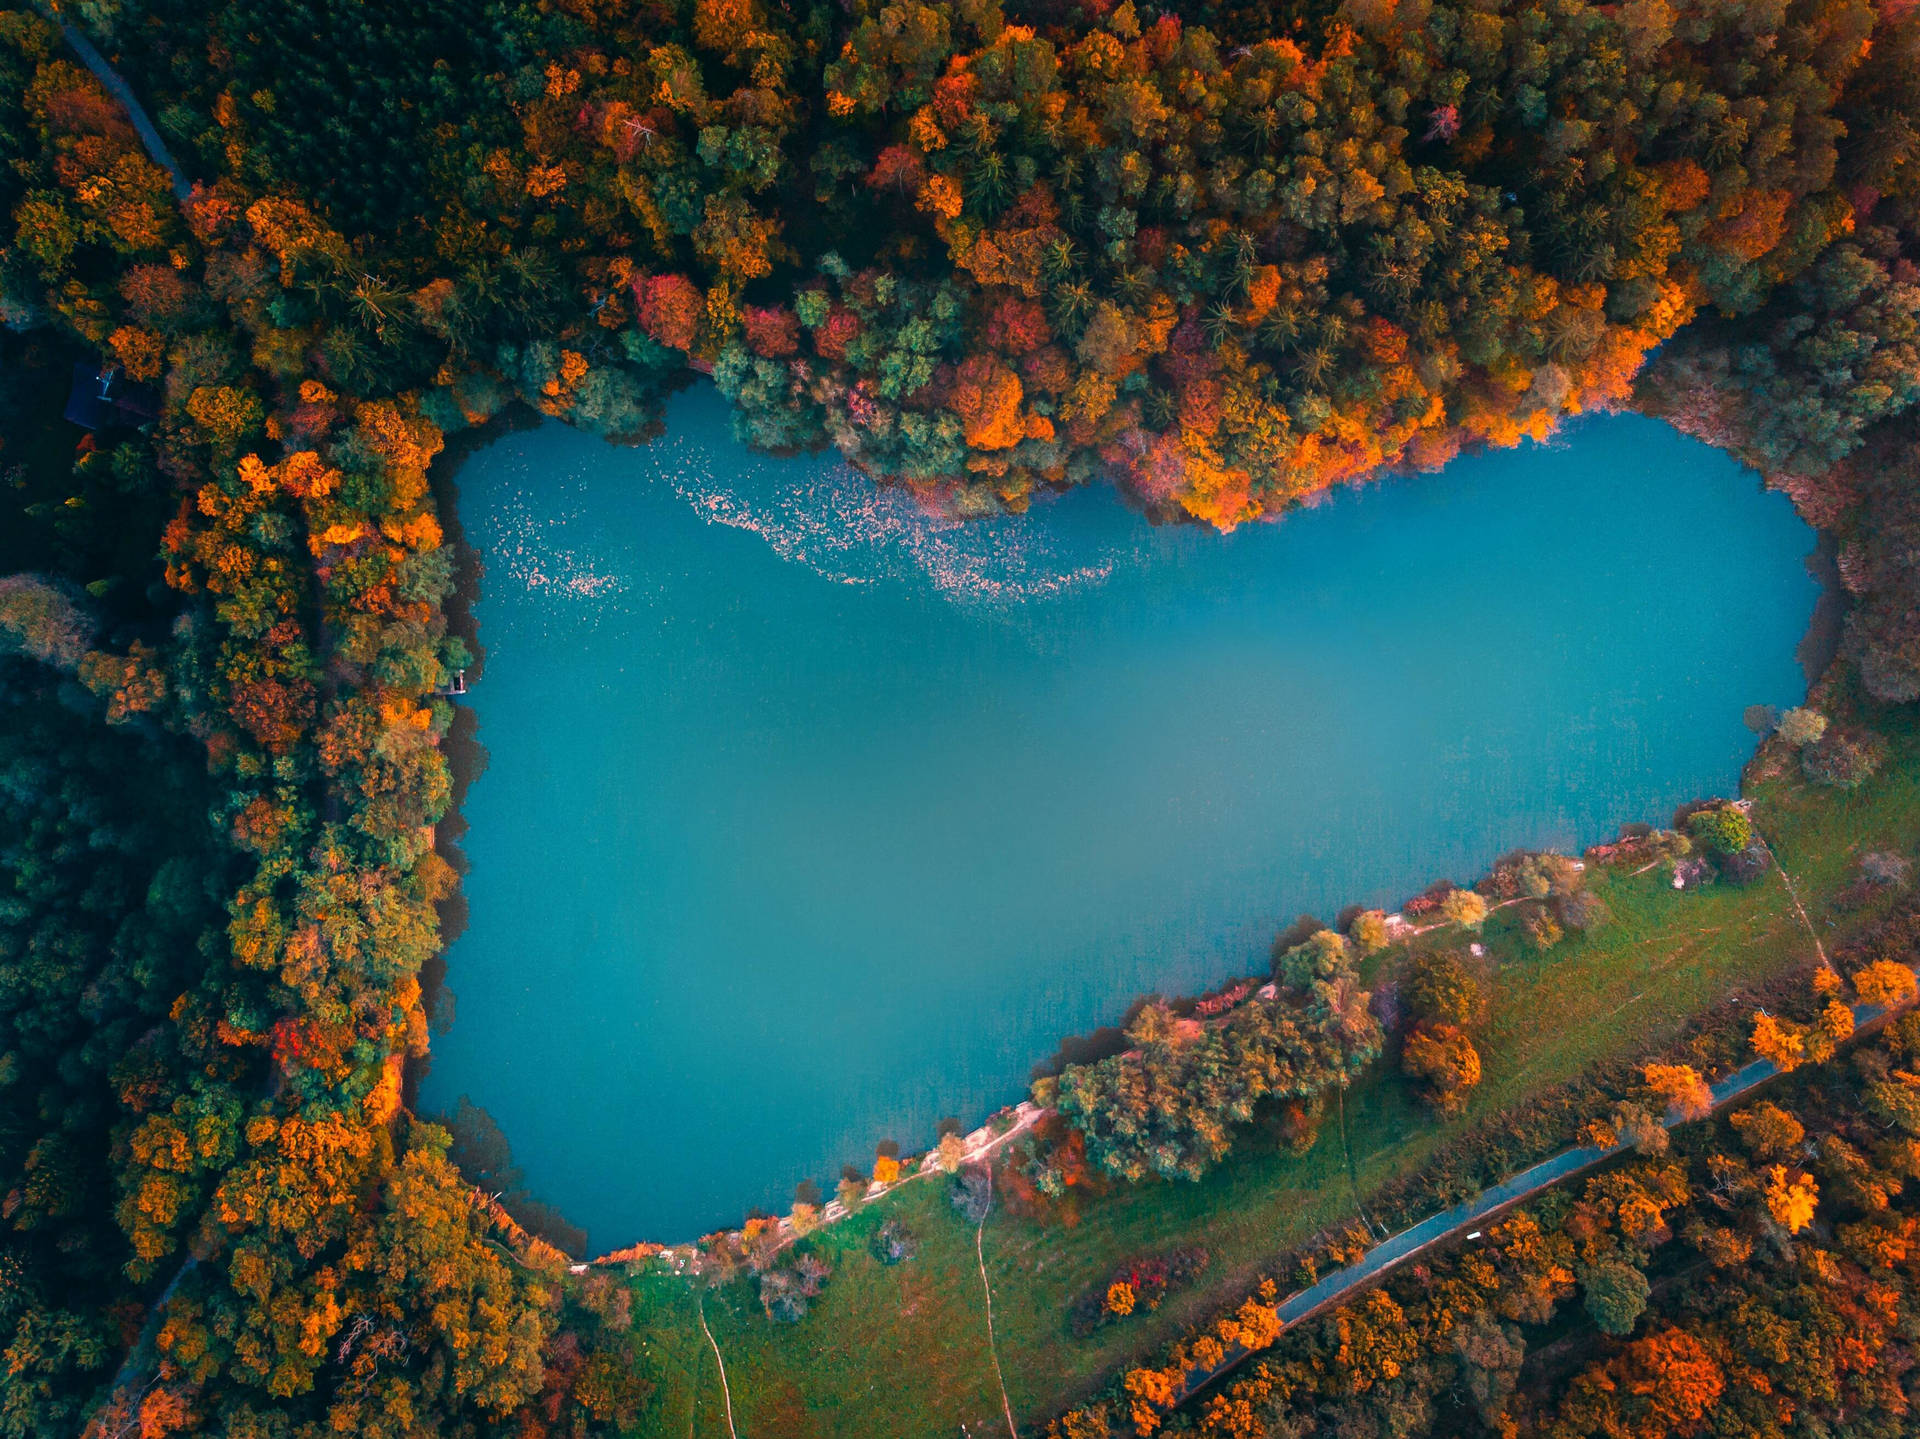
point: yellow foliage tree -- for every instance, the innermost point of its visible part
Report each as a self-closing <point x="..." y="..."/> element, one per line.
<point x="1464" y="907"/>
<point x="1152" y="1392"/>
<point x="1681" y="1086"/>
<point x="1791" y="1197"/>
<point x="1784" y="1044"/>
<point x="1885" y="982"/>
<point x="1836" y="1020"/>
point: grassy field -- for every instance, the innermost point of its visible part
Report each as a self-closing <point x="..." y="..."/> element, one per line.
<point x="901" y="1353"/>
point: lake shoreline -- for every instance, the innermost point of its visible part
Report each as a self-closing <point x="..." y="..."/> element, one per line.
<point x="468" y="758"/>
<point x="465" y="755"/>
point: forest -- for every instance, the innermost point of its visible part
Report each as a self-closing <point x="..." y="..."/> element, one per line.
<point x="1223" y="256"/>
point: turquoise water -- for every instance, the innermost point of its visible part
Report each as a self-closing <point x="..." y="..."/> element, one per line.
<point x="810" y="819"/>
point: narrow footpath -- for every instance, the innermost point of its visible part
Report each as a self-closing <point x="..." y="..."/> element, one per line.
<point x="1379" y="1261"/>
<point x="986" y="1288"/>
<point x="726" y="1389"/>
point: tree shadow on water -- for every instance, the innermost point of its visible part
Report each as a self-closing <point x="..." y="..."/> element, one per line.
<point x="481" y="1153"/>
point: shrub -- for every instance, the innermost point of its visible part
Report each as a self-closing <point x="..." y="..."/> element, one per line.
<point x="1541" y="928"/>
<point x="1843" y="761"/>
<point x="1539" y="876"/>
<point x="1768" y="1130"/>
<point x="39" y="619"/>
<point x="1781" y="1042"/>
<point x="949" y="1153"/>
<point x="1464" y="907"/>
<point x="1681" y="1088"/>
<point x="1640" y="1127"/>
<point x="1879" y="867"/>
<point x="1691" y="873"/>
<point x="1884" y="982"/>
<point x="1135" y="1286"/>
<point x="1721" y="829"/>
<point x="227" y="416"/>
<point x="1583" y="910"/>
<point x="1801" y="727"/>
<point x="1438" y="988"/>
<point x="1369" y="931"/>
<point x="1445" y="1062"/>
<point x="1895" y="1102"/>
<point x="893" y="1243"/>
<point x="1746" y="865"/>
<point x="973" y="1193"/>
<point x="1791" y="1196"/>
<point x="1296" y="1123"/>
<point x="1836" y="1021"/>
<point x="787" y="1290"/>
<point x="1322" y="955"/>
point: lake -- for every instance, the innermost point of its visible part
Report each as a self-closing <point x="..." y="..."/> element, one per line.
<point x="810" y="818"/>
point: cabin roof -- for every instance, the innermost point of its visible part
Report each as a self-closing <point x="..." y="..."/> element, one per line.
<point x="101" y="397"/>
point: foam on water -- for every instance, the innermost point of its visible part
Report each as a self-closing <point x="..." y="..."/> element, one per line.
<point x="815" y="511"/>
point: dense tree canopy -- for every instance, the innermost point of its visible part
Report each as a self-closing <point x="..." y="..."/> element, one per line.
<point x="1169" y="1104"/>
<point x="983" y="250"/>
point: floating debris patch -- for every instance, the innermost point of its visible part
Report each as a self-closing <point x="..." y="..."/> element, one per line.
<point x="531" y="553"/>
<point x="848" y="530"/>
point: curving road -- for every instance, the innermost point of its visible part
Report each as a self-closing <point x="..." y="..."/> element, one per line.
<point x="1511" y="1190"/>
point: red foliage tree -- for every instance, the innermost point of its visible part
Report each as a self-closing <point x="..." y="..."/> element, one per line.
<point x="1017" y="327"/>
<point x="773" y="332"/>
<point x="669" y="308"/>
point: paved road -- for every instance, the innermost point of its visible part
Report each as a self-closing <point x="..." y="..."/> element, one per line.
<point x="1465" y="1216"/>
<point x="121" y="91"/>
<point x="1488" y="1202"/>
<point x="1336" y="1286"/>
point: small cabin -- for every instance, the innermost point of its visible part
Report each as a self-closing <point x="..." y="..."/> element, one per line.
<point x="101" y="398"/>
<point x="455" y="686"/>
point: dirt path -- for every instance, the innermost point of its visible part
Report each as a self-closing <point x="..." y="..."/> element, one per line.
<point x="726" y="1391"/>
<point x="993" y="1348"/>
<point x="1794" y="895"/>
<point x="981" y="1143"/>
